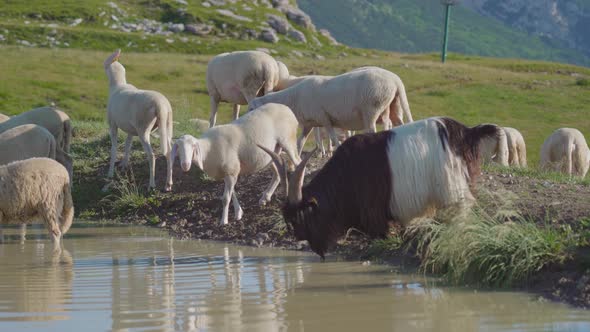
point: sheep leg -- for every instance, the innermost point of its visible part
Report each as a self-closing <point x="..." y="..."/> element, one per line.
<point x="237" y="208"/>
<point x="213" y="117"/>
<point x="333" y="135"/>
<point x="113" y="134"/>
<point x="230" y="182"/>
<point x="128" y="141"/>
<point x="371" y="129"/>
<point x="236" y="111"/>
<point x="51" y="219"/>
<point x="145" y="141"/>
<point x="319" y="143"/>
<point x="301" y="140"/>
<point x="274" y="183"/>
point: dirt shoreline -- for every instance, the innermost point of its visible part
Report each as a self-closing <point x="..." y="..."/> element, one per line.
<point x="193" y="209"/>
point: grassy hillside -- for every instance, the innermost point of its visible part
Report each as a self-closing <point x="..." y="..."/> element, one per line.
<point x="535" y="97"/>
<point x="416" y="26"/>
<point x="106" y="25"/>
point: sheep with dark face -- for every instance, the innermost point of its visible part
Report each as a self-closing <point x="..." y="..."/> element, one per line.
<point x="391" y="176"/>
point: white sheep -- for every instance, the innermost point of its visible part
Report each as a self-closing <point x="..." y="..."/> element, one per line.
<point x="137" y="112"/>
<point x="226" y="151"/>
<point x="3" y="118"/>
<point x="238" y="77"/>
<point x="353" y="101"/>
<point x="57" y="122"/>
<point x="495" y="148"/>
<point x="320" y="134"/>
<point x="37" y="188"/>
<point x="29" y="141"/>
<point x="566" y="150"/>
<point x="516" y="147"/>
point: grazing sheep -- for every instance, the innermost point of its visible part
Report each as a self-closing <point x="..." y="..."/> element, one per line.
<point x="516" y="147"/>
<point x="37" y="188"/>
<point x="238" y="77"/>
<point x="395" y="175"/>
<point x="495" y="148"/>
<point x="566" y="151"/>
<point x="29" y="141"/>
<point x="137" y="112"/>
<point x="226" y="151"/>
<point x="57" y="122"/>
<point x="3" y="118"/>
<point x="353" y="101"/>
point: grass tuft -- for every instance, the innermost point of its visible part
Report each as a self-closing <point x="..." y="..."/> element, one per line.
<point x="485" y="251"/>
<point x="128" y="197"/>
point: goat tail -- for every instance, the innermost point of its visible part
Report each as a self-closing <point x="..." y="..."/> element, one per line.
<point x="403" y="103"/>
<point x="67" y="213"/>
<point x="164" y="115"/>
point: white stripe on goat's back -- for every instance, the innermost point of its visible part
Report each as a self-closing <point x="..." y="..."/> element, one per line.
<point x="425" y="175"/>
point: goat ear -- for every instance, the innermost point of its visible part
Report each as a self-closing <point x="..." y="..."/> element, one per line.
<point x="313" y="202"/>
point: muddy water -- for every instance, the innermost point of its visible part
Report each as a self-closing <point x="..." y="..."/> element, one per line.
<point x="134" y="278"/>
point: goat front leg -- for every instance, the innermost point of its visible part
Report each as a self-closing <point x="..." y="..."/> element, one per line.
<point x="230" y="182"/>
<point x="113" y="134"/>
<point x="128" y="141"/>
<point x="145" y="141"/>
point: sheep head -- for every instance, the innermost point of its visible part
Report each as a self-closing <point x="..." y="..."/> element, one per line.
<point x="115" y="70"/>
<point x="188" y="150"/>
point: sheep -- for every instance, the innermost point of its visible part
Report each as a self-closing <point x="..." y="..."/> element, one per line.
<point x="320" y="134"/>
<point x="353" y="101"/>
<point x="37" y="188"/>
<point x="238" y="77"/>
<point x="516" y="147"/>
<point x="395" y="175"/>
<point x="137" y="112"/>
<point x="495" y="148"/>
<point x="29" y="141"/>
<point x="56" y="121"/>
<point x="566" y="150"/>
<point x="3" y="117"/>
<point x="226" y="151"/>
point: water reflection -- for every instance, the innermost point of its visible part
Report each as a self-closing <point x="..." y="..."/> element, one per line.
<point x="120" y="279"/>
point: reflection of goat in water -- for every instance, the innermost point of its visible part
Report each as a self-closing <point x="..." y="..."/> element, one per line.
<point x="42" y="293"/>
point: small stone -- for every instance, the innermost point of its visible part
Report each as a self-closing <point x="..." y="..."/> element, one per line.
<point x="278" y="23"/>
<point x="182" y="2"/>
<point x="76" y="22"/>
<point x="269" y="35"/>
<point x="297" y="53"/>
<point x="162" y="224"/>
<point x="176" y="28"/>
<point x="114" y="18"/>
<point x="319" y="57"/>
<point x="169" y="41"/>
<point x="206" y="4"/>
<point x="297" y="35"/>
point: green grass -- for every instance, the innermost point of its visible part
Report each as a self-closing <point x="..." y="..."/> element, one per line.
<point x="484" y="251"/>
<point x="536" y="173"/>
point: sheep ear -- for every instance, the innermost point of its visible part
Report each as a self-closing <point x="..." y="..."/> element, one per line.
<point x="112" y="58"/>
<point x="197" y="155"/>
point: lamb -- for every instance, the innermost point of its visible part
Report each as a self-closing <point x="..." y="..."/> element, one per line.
<point x="37" y="188"/>
<point x="566" y="151"/>
<point x="516" y="147"/>
<point x="353" y="101"/>
<point x="137" y="112"/>
<point x="395" y="175"/>
<point x="495" y="148"/>
<point x="238" y="77"/>
<point x="3" y="118"/>
<point x="56" y="121"/>
<point x="226" y="151"/>
<point x="29" y="141"/>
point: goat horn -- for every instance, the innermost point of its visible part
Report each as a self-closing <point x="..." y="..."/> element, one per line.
<point x="281" y="167"/>
<point x="295" y="196"/>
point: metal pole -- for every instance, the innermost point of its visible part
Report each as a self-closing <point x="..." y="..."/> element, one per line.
<point x="446" y="37"/>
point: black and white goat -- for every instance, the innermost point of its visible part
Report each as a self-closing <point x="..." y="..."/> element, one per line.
<point x="390" y="176"/>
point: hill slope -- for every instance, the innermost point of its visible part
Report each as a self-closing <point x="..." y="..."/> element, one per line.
<point x="416" y="26"/>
